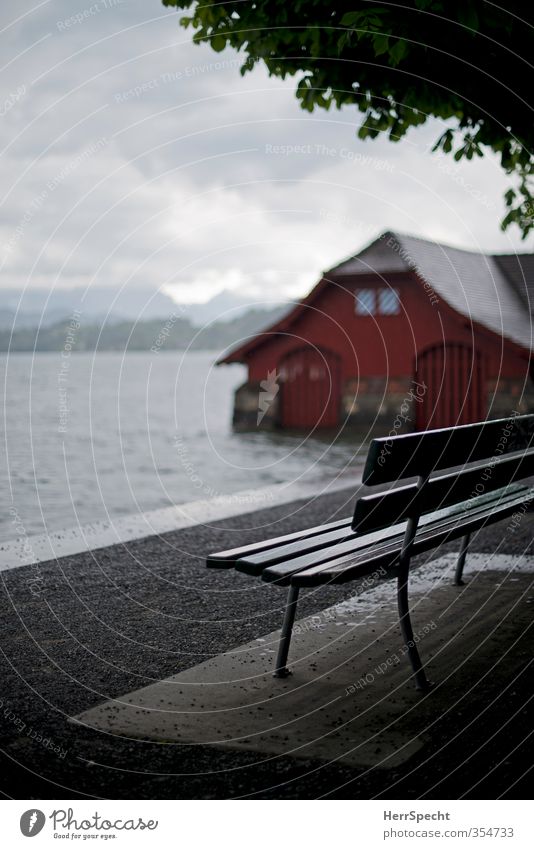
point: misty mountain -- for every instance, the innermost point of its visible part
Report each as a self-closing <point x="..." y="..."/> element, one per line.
<point x="112" y="305"/>
<point x="226" y="306"/>
<point x="98" y="303"/>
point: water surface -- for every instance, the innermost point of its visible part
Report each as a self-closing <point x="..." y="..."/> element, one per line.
<point x="93" y="436"/>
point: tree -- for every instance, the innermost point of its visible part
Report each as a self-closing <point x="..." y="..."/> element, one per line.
<point x="462" y="61"/>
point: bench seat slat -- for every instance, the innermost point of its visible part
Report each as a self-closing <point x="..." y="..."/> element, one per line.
<point x="227" y="559"/>
<point x="302" y="557"/>
<point x="282" y="572"/>
<point x="390" y="539"/>
<point x="435" y="534"/>
<point x="256" y="562"/>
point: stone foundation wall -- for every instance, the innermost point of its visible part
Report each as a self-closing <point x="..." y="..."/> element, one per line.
<point x="507" y="395"/>
<point x="377" y="401"/>
<point x="252" y="411"/>
<point x="388" y="406"/>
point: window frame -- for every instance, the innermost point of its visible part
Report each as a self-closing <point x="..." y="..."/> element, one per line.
<point x="359" y="308"/>
<point x="391" y="291"/>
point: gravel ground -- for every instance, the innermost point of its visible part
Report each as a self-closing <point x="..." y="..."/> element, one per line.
<point x="83" y="629"/>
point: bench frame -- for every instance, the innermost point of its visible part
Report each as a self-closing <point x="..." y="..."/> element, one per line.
<point x="475" y="448"/>
<point x="422" y="683"/>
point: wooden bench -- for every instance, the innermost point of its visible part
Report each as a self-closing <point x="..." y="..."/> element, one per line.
<point x="489" y="461"/>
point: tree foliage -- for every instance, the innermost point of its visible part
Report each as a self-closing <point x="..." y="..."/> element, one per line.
<point x="400" y="63"/>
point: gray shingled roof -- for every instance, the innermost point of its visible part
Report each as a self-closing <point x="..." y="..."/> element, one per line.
<point x="519" y="269"/>
<point x="479" y="286"/>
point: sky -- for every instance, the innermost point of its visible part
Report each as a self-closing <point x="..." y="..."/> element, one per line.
<point x="130" y="156"/>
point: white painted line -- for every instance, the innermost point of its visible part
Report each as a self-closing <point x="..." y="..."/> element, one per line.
<point x="24" y="551"/>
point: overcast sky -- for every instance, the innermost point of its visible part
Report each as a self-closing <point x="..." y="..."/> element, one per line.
<point x="130" y="155"/>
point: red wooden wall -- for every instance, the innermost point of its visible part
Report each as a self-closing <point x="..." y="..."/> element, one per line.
<point x="379" y="345"/>
<point x="390" y="345"/>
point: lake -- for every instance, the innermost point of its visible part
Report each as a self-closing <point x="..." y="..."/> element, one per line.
<point x="93" y="436"/>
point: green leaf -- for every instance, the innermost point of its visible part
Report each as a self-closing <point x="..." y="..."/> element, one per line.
<point x="218" y="42"/>
<point x="380" y="44"/>
<point x="447" y="141"/>
<point x="398" y="51"/>
<point x="349" y="19"/>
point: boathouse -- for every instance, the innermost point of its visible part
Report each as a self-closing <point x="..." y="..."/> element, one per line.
<point x="408" y="331"/>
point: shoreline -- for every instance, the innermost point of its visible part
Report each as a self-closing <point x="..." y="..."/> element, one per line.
<point x="30" y="549"/>
<point x="105" y="622"/>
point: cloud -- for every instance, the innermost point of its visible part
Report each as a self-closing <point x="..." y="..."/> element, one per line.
<point x="131" y="155"/>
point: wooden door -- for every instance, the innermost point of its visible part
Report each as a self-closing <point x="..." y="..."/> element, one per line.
<point x="311" y="388"/>
<point x="455" y="393"/>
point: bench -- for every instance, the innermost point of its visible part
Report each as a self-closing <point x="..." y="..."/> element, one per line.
<point x="465" y="478"/>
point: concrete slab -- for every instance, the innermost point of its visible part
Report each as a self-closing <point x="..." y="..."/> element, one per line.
<point x="350" y="697"/>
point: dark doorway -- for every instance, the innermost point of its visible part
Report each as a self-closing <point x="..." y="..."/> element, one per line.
<point x="311" y="386"/>
<point x="455" y="386"/>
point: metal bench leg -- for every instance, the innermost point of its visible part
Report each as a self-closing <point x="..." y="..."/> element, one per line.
<point x="458" y="582"/>
<point x="281" y="670"/>
<point x="421" y="681"/>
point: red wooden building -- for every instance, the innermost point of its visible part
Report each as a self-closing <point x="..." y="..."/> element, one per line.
<point x="408" y="333"/>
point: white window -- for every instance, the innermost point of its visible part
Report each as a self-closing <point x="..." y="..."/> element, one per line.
<point x="365" y="302"/>
<point x="388" y="302"/>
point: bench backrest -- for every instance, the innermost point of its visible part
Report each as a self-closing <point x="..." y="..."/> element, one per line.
<point x="497" y="453"/>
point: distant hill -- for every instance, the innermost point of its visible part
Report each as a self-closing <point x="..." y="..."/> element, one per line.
<point x="169" y="333"/>
<point x="226" y="306"/>
<point x="98" y="303"/>
<point x="112" y="305"/>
